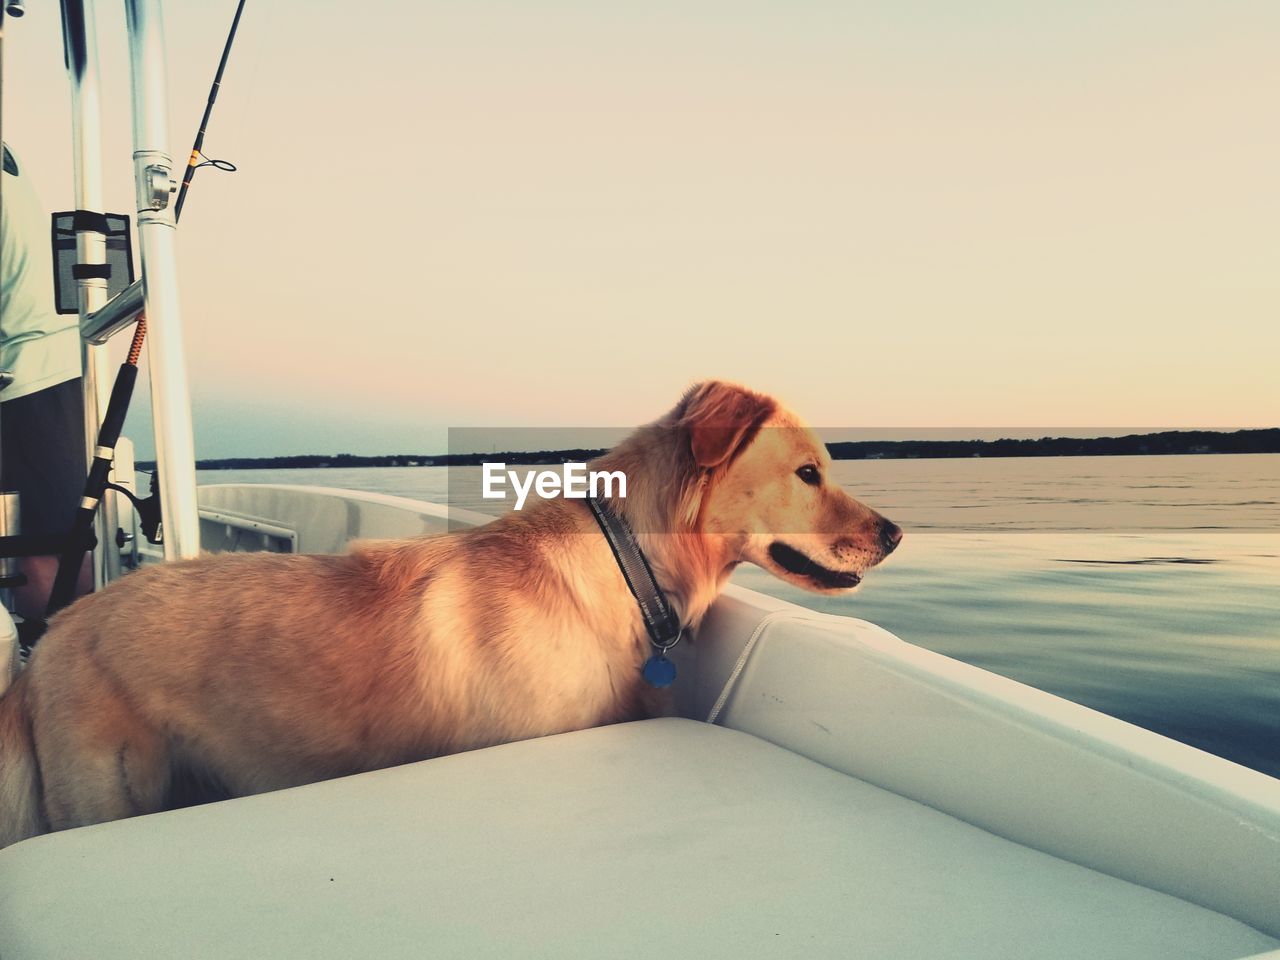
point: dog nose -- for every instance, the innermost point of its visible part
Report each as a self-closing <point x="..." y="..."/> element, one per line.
<point x="890" y="535"/>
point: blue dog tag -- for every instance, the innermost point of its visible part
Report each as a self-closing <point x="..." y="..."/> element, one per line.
<point x="659" y="672"/>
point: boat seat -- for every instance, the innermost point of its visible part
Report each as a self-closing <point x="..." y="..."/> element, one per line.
<point x="664" y="838"/>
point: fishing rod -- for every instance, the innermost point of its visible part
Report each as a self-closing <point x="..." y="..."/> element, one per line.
<point x="80" y="539"/>
<point x="198" y="159"/>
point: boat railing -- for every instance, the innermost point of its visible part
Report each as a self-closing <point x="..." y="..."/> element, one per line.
<point x="155" y="295"/>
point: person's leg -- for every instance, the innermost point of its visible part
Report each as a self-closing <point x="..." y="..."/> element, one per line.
<point x="43" y="458"/>
<point x="31" y="600"/>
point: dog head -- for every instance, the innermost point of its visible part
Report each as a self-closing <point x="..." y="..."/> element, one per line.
<point x="767" y="490"/>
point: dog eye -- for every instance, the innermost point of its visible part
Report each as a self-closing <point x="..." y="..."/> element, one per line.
<point x="809" y="474"/>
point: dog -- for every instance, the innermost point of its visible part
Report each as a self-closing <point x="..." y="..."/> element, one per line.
<point x="259" y="671"/>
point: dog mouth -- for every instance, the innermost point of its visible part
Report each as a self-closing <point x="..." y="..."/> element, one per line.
<point x="795" y="562"/>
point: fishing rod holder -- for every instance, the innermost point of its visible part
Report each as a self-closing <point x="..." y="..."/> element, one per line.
<point x="154" y="180"/>
<point x="120" y="312"/>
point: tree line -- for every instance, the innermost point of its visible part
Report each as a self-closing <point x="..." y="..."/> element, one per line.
<point x="1167" y="443"/>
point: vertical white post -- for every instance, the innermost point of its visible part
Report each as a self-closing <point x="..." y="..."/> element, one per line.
<point x="79" y="38"/>
<point x="157" y="239"/>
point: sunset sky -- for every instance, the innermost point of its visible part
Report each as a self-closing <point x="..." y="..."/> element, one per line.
<point x="562" y="212"/>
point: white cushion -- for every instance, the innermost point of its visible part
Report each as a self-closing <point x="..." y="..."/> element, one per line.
<point x="667" y="838"/>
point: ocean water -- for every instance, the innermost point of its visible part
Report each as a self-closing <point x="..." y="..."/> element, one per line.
<point x="1144" y="587"/>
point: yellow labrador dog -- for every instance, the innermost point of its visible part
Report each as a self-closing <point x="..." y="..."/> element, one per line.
<point x="262" y="671"/>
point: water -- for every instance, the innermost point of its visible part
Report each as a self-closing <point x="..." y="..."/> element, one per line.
<point x="1144" y="587"/>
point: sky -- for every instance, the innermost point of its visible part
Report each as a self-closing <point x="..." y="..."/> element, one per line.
<point x="547" y="213"/>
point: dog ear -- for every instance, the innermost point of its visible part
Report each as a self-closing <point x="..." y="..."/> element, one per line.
<point x="721" y="419"/>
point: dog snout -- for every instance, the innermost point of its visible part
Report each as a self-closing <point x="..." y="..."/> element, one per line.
<point x="890" y="535"/>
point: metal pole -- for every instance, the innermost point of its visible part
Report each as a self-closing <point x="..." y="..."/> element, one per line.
<point x="81" y="49"/>
<point x="2" y="11"/>
<point x="157" y="237"/>
<point x="10" y="526"/>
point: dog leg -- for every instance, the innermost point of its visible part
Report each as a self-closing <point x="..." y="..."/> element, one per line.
<point x="100" y="763"/>
<point x="20" y="815"/>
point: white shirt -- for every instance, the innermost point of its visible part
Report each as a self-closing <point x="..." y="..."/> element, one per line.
<point x="40" y="348"/>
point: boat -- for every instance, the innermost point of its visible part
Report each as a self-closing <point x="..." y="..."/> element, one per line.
<point x="822" y="789"/>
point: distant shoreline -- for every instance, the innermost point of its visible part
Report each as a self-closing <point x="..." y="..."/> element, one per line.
<point x="1168" y="443"/>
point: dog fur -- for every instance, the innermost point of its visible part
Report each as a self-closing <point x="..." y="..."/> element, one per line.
<point x="260" y="671"/>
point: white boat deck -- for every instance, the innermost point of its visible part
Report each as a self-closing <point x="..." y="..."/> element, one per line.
<point x="662" y="838"/>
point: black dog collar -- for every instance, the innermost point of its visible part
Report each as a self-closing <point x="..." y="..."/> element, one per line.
<point x="660" y="620"/>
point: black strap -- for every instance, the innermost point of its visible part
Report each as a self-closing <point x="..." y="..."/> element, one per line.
<point x="90" y="220"/>
<point x="33" y="545"/>
<point x="86" y="271"/>
<point x="660" y="619"/>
